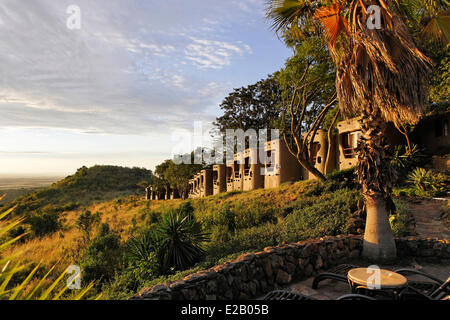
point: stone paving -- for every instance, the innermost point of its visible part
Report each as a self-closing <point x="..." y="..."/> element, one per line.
<point x="331" y="289"/>
<point x="428" y="221"/>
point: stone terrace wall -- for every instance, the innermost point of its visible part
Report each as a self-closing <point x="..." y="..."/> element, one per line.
<point x="254" y="274"/>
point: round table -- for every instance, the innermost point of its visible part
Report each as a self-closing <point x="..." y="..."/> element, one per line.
<point x="377" y="279"/>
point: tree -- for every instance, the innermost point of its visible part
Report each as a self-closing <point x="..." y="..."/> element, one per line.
<point x="309" y="93"/>
<point x="178" y="176"/>
<point x="252" y="107"/>
<point x="160" y="183"/>
<point x="380" y="76"/>
<point x="85" y="221"/>
<point x="175" y="176"/>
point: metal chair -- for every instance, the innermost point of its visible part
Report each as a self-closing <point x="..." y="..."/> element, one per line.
<point x="338" y="273"/>
<point x="279" y="295"/>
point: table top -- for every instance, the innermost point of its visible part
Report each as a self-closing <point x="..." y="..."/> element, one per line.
<point x="371" y="277"/>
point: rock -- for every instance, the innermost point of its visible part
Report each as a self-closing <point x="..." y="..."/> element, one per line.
<point x="267" y="267"/>
<point x="228" y="295"/>
<point x="190" y="294"/>
<point x="426" y="253"/>
<point x="276" y="261"/>
<point x="290" y="268"/>
<point x="354" y="254"/>
<point x="177" y="285"/>
<point x="211" y="287"/>
<point x="196" y="277"/>
<point x="308" y="270"/>
<point x="354" y="243"/>
<point x="243" y="296"/>
<point x="283" y="277"/>
<point x="253" y="287"/>
<point x="246" y="257"/>
<point x="319" y="263"/>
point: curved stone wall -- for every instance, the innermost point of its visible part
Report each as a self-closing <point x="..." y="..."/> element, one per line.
<point x="254" y="274"/>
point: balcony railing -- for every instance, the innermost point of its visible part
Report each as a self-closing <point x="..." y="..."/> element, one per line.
<point x="349" y="152"/>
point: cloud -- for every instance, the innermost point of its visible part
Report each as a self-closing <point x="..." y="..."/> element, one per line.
<point x="134" y="67"/>
<point x="213" y="54"/>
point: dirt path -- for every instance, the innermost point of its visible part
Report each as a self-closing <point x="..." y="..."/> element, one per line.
<point x="428" y="222"/>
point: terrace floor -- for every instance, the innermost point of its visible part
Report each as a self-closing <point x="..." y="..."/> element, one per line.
<point x="428" y="220"/>
<point x="331" y="289"/>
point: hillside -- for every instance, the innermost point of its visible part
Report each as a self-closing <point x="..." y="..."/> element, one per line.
<point x="234" y="222"/>
<point x="87" y="185"/>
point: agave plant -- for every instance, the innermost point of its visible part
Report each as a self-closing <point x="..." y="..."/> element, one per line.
<point x="427" y="180"/>
<point x="179" y="241"/>
<point x="38" y="291"/>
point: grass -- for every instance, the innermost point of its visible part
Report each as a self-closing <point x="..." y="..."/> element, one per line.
<point x="237" y="222"/>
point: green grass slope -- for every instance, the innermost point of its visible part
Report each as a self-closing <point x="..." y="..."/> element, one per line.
<point x="86" y="186"/>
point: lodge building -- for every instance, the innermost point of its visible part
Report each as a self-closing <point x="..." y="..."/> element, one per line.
<point x="247" y="172"/>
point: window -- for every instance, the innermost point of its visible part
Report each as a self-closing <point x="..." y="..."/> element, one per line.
<point x="229" y="174"/>
<point x="350" y="143"/>
<point x="236" y="169"/>
<point x="315" y="150"/>
<point x="215" y="176"/>
<point x="269" y="160"/>
<point x="247" y="166"/>
<point x="441" y="128"/>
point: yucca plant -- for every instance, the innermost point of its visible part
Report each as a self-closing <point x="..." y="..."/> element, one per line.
<point x="8" y="269"/>
<point x="427" y="181"/>
<point x="179" y="239"/>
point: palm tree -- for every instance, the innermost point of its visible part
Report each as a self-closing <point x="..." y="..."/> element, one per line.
<point x="381" y="76"/>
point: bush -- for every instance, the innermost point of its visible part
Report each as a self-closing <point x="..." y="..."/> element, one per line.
<point x="149" y="216"/>
<point x="404" y="162"/>
<point x="226" y="217"/>
<point x="44" y="223"/>
<point x="85" y="221"/>
<point x="17" y="231"/>
<point x="336" y="180"/>
<point x="103" y="256"/>
<point x="179" y="240"/>
<point x="327" y="214"/>
<point x="400" y="220"/>
<point x="427" y="183"/>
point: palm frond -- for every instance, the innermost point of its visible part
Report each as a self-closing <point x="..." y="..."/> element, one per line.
<point x="438" y="29"/>
<point x="285" y="13"/>
<point x="332" y="21"/>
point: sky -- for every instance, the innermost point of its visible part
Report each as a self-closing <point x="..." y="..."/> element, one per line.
<point x="112" y="82"/>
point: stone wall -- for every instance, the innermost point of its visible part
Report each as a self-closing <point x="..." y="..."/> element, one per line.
<point x="425" y="248"/>
<point x="254" y="274"/>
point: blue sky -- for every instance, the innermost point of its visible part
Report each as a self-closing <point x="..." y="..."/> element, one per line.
<point x="115" y="90"/>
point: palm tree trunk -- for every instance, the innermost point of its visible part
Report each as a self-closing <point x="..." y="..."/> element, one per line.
<point x="376" y="177"/>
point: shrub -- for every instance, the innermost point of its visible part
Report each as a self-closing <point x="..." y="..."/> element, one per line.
<point x="336" y="180"/>
<point x="149" y="216"/>
<point x="404" y="162"/>
<point x="103" y="256"/>
<point x="16" y="232"/>
<point x="427" y="183"/>
<point x="179" y="240"/>
<point x="44" y="223"/>
<point x="226" y="217"/>
<point x="320" y="216"/>
<point x="85" y="221"/>
<point x="400" y="220"/>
